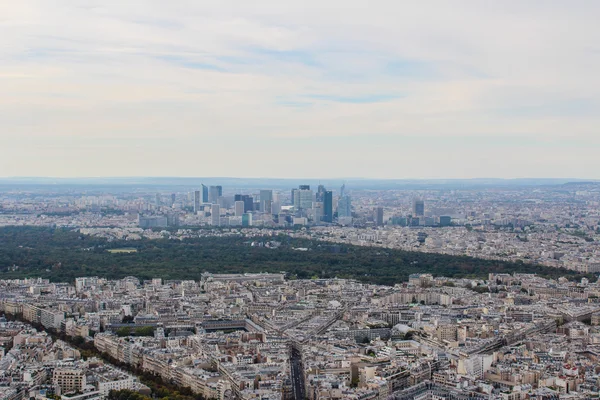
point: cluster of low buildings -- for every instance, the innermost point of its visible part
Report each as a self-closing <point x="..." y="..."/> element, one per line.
<point x="35" y="366"/>
<point x="260" y="336"/>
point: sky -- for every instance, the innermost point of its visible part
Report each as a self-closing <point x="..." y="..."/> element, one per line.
<point x="300" y="89"/>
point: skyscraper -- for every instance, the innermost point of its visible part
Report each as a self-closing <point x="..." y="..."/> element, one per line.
<point x="303" y="197"/>
<point x="173" y="197"/>
<point x="204" y="194"/>
<point x="214" y="192"/>
<point x="215" y="215"/>
<point x="418" y="207"/>
<point x="239" y="208"/>
<point x="266" y="199"/>
<point x="317" y="211"/>
<point x="328" y="206"/>
<point x="196" y="201"/>
<point x="320" y="193"/>
<point x="379" y="216"/>
<point x="344" y="206"/>
<point x="248" y="201"/>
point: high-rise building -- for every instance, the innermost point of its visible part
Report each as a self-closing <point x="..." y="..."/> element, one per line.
<point x="320" y="193"/>
<point x="344" y="207"/>
<point x="239" y="208"/>
<point x="378" y="217"/>
<point x="303" y="198"/>
<point x="197" y="201"/>
<point x="275" y="207"/>
<point x="342" y="190"/>
<point x="204" y="194"/>
<point x="317" y="210"/>
<point x="267" y="206"/>
<point x="266" y="199"/>
<point x="292" y="201"/>
<point x="215" y="215"/>
<point x="173" y="198"/>
<point x="418" y="207"/>
<point x="214" y="192"/>
<point x="248" y="201"/>
<point x="328" y="206"/>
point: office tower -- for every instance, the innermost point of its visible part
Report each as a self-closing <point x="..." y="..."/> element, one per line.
<point x="204" y="194"/>
<point x="292" y="201"/>
<point x="265" y="199"/>
<point x="214" y="192"/>
<point x="317" y="209"/>
<point x="418" y="207"/>
<point x="267" y="206"/>
<point x="248" y="201"/>
<point x="247" y="219"/>
<point x="275" y="207"/>
<point x="303" y="198"/>
<point x="320" y="193"/>
<point x="344" y="207"/>
<point x="215" y="215"/>
<point x="239" y="208"/>
<point x="197" y="201"/>
<point x="379" y="216"/>
<point x="225" y="202"/>
<point x="342" y="190"/>
<point x="328" y="206"/>
<point x="173" y="197"/>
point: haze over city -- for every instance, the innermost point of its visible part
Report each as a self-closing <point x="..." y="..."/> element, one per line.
<point x="302" y="90"/>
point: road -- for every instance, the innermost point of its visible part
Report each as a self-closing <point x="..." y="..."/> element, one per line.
<point x="297" y="374"/>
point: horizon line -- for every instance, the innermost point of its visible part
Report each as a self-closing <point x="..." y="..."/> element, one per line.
<point x="293" y="178"/>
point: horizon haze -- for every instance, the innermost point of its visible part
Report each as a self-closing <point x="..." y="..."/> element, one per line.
<point x="389" y="90"/>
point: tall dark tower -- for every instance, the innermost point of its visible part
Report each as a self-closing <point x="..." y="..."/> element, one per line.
<point x="204" y="194"/>
<point x="418" y="207"/>
<point x="328" y="206"/>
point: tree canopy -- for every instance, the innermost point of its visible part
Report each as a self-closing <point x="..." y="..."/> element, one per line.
<point x="62" y="255"/>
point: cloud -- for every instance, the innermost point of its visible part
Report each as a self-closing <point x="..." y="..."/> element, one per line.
<point x="190" y="74"/>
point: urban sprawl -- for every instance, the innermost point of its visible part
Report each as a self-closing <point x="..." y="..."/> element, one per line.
<point x="264" y="336"/>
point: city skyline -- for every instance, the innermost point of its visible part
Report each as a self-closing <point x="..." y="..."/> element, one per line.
<point x="392" y="90"/>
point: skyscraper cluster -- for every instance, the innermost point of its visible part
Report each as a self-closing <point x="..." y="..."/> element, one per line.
<point x="209" y="205"/>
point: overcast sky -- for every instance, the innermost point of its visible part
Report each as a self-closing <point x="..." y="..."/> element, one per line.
<point x="327" y="88"/>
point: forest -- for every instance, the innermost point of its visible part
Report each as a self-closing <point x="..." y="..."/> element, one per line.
<point x="61" y="255"/>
